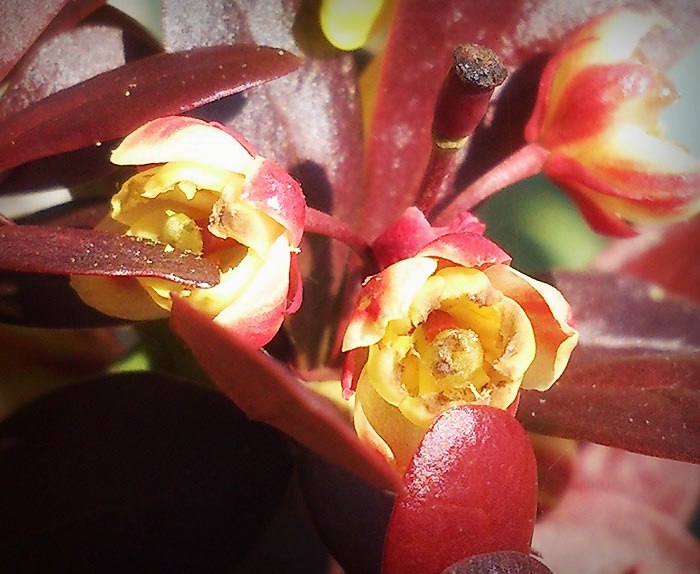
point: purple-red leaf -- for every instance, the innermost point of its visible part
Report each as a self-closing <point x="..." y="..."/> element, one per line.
<point x="628" y="314"/>
<point x="114" y="103"/>
<point x="634" y="382"/>
<point x="644" y="402"/>
<point x="268" y="392"/>
<point x="499" y="563"/>
<point x="23" y="21"/>
<point x="58" y="250"/>
<point x="418" y="55"/>
<point x="471" y="488"/>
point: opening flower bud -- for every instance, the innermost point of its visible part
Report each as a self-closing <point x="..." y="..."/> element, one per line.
<point x="204" y="191"/>
<point x="450" y="326"/>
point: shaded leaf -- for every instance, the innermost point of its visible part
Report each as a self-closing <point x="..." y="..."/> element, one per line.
<point x="136" y="472"/>
<point x="81" y="166"/>
<point x="114" y="103"/>
<point x="418" y="55"/>
<point x="355" y="540"/>
<point x="23" y="21"/>
<point x="470" y="488"/>
<point x="499" y="563"/>
<point x="646" y="403"/>
<point x="266" y="391"/>
<point x="58" y="250"/>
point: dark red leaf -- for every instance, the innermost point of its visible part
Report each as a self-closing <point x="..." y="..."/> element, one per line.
<point x="114" y="103"/>
<point x="417" y="57"/>
<point x="309" y="122"/>
<point x="644" y="402"/>
<point x="634" y="382"/>
<point x="23" y="21"/>
<point x="499" y="563"/>
<point x="626" y="314"/>
<point x="268" y="392"/>
<point x="349" y="514"/>
<point x="58" y="250"/>
<point x="471" y="488"/>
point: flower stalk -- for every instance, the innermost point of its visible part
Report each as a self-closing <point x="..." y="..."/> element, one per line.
<point x="521" y="164"/>
<point x="322" y="223"/>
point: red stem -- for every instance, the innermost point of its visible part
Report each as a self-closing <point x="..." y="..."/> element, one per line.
<point x="521" y="164"/>
<point x="322" y="223"/>
<point x="438" y="178"/>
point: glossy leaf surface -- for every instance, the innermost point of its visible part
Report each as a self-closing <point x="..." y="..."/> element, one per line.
<point x="136" y="472"/>
<point x="266" y="391"/>
<point x="399" y="142"/>
<point x="114" y="103"/>
<point x="471" y="488"/>
<point x="60" y="250"/>
<point x="634" y="383"/>
<point x="647" y="404"/>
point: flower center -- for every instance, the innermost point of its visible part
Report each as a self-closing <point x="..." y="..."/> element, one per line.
<point x="454" y="357"/>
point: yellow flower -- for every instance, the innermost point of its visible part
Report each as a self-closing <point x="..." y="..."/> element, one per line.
<point x="202" y="189"/>
<point x="451" y="325"/>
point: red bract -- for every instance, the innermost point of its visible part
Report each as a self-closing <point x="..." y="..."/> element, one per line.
<point x="596" y="112"/>
<point x="471" y="488"/>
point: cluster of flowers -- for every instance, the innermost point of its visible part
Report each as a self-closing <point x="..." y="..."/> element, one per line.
<point x="443" y="332"/>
